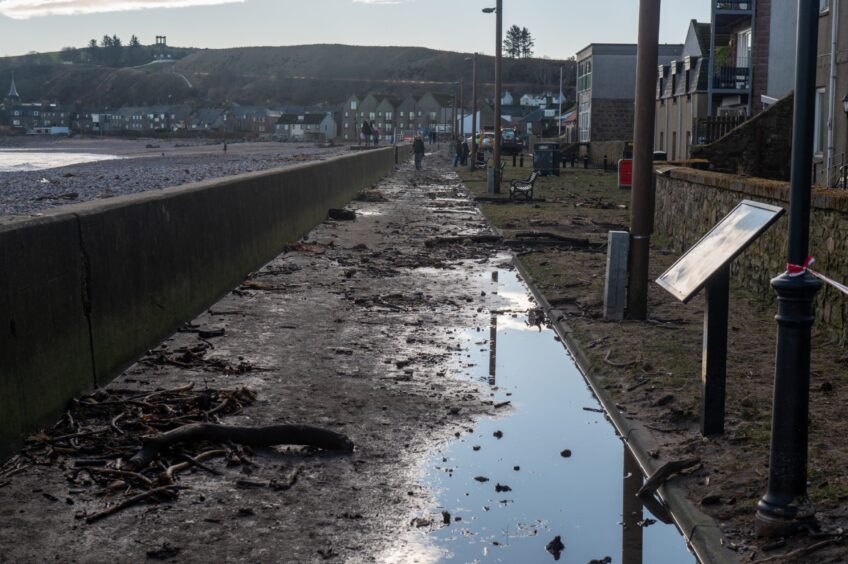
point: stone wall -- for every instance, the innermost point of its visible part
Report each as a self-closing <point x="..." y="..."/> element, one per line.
<point x="88" y="288"/>
<point x="613" y="150"/>
<point x="612" y="120"/>
<point x="690" y="202"/>
<point x="761" y="147"/>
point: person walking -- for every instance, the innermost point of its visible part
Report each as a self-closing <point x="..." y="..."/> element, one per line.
<point x="366" y="133"/>
<point x="375" y="134"/>
<point x="457" y="157"/>
<point x="418" y="149"/>
<point x="465" y="152"/>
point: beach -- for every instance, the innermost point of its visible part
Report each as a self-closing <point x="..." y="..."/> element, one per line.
<point x="129" y="167"/>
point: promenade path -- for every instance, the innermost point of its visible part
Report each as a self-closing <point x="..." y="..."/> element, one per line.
<point x="356" y="329"/>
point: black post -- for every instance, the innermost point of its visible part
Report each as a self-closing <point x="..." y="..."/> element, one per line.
<point x="631" y="522"/>
<point x="513" y="160"/>
<point x="714" y="366"/>
<point x="521" y="160"/>
<point x="785" y="508"/>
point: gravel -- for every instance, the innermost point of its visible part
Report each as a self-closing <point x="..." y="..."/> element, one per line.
<point x="140" y="169"/>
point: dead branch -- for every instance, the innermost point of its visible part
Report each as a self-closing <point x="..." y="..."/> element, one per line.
<point x="621" y="364"/>
<point x="791" y="556"/>
<point x="665" y="473"/>
<point x="122" y="474"/>
<point x="196" y="461"/>
<point x="169" y="490"/>
<point x="251" y="436"/>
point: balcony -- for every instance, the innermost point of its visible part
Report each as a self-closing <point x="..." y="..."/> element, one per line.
<point x="735" y="79"/>
<point x="734" y="6"/>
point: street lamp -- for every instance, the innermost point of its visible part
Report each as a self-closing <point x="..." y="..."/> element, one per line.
<point x="473" y="162"/>
<point x="785" y="508"/>
<point x="496" y="160"/>
<point x="844" y="165"/>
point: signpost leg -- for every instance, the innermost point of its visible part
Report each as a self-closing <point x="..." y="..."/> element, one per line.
<point x="714" y="367"/>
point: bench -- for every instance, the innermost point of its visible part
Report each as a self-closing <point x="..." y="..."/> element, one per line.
<point x="524" y="187"/>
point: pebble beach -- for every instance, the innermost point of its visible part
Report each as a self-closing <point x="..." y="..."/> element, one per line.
<point x="131" y="166"/>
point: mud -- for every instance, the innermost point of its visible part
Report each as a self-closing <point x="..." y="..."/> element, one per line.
<point x="353" y="330"/>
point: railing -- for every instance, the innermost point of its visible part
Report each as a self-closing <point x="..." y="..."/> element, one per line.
<point x="732" y="78"/>
<point x="709" y="129"/>
<point x="740" y="5"/>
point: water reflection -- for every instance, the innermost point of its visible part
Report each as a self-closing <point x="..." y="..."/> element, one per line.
<point x="545" y="467"/>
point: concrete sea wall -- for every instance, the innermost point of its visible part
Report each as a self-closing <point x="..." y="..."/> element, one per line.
<point x="690" y="202"/>
<point x="87" y="289"/>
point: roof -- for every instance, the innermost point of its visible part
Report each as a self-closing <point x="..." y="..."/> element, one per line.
<point x="664" y="50"/>
<point x="702" y="30"/>
<point x="534" y="116"/>
<point x="443" y="99"/>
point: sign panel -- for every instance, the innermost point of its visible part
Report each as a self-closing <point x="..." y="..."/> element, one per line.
<point x="718" y="248"/>
<point x="625" y="173"/>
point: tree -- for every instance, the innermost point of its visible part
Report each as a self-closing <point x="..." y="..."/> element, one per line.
<point x="93" y="51"/>
<point x="526" y="43"/>
<point x="512" y="42"/>
<point x="134" y="43"/>
<point x="106" y="41"/>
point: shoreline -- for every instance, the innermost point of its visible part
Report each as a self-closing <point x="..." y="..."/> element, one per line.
<point x="141" y="165"/>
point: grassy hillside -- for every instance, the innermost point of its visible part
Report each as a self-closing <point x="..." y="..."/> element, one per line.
<point x="301" y="75"/>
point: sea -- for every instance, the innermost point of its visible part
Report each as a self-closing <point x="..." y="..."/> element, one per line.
<point x="22" y="160"/>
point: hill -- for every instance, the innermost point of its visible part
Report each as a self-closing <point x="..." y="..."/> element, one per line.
<point x="298" y="75"/>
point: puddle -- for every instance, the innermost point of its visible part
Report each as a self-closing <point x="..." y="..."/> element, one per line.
<point x="564" y="466"/>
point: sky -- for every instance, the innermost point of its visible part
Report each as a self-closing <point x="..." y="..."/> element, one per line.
<point x="560" y="27"/>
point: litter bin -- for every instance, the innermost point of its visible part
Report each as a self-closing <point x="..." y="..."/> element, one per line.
<point x="546" y="159"/>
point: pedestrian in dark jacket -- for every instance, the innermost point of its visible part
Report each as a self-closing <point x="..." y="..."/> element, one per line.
<point x="366" y="133"/>
<point x="465" y="152"/>
<point x="457" y="157"/>
<point x="418" y="149"/>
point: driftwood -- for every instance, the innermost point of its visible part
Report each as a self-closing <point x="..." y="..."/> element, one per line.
<point x="250" y="436"/>
<point x="166" y="490"/>
<point x="439" y="241"/>
<point x="805" y="551"/>
<point x="665" y="473"/>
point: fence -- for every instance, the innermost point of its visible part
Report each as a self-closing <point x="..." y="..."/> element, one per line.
<point x="709" y="129"/>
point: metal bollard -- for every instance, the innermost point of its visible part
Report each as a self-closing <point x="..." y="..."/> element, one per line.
<point x="605" y="163"/>
<point x="586" y="161"/>
<point x="521" y="160"/>
<point x="513" y="160"/>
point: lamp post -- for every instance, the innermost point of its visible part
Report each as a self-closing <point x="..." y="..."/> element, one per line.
<point x="496" y="142"/>
<point x="462" y="108"/>
<point x="785" y="509"/>
<point x="844" y="170"/>
<point x="473" y="162"/>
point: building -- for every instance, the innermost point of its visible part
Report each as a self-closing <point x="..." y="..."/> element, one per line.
<point x="700" y="97"/>
<point x="831" y="126"/>
<point x="307" y="127"/>
<point x="606" y="86"/>
<point x="682" y="94"/>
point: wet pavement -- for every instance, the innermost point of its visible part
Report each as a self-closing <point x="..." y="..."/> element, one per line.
<point x="378" y="329"/>
<point x="557" y="461"/>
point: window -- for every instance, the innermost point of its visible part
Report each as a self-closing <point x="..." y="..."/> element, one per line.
<point x="433" y="116"/>
<point x="585" y="121"/>
<point x="820" y="126"/>
<point x="824" y="6"/>
<point x="401" y="114"/>
<point x="346" y="114"/>
<point x="353" y="104"/>
<point x="389" y="115"/>
<point x="584" y="76"/>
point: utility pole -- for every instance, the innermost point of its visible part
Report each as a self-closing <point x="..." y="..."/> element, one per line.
<point x="473" y="162"/>
<point x="498" y="88"/>
<point x="642" y="193"/>
<point x="785" y="509"/>
<point x="462" y="107"/>
<point x="559" y="119"/>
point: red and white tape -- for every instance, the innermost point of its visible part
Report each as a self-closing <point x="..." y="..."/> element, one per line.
<point x="795" y="270"/>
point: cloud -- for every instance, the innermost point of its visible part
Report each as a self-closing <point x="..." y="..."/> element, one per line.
<point x="25" y="9"/>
